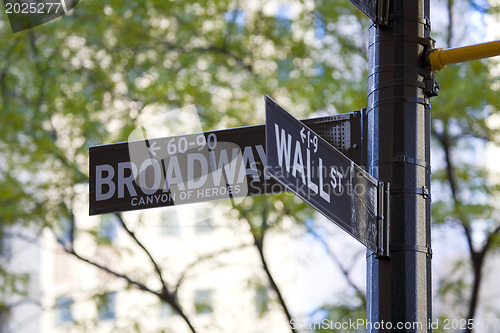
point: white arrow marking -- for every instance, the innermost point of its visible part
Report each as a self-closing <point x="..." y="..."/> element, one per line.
<point x="302" y="134"/>
<point x="152" y="148"/>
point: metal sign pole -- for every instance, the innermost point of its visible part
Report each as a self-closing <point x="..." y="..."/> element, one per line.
<point x="400" y="86"/>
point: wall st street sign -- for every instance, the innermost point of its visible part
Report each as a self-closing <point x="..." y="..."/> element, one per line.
<point x="325" y="178"/>
<point x="198" y="167"/>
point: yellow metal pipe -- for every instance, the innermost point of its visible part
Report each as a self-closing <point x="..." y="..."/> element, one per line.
<point x="439" y="58"/>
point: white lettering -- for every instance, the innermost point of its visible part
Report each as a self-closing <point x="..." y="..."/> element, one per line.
<point x="223" y="162"/>
<point x="282" y="150"/>
<point x="100" y="181"/>
<point x="252" y="170"/>
<point x="173" y="167"/>
<point x="192" y="183"/>
<point x="336" y="178"/>
<point x="310" y="184"/>
<point x="298" y="162"/>
<point x="143" y="176"/>
<point x="322" y="192"/>
<point x="126" y="181"/>
<point x="263" y="159"/>
<point x="231" y="167"/>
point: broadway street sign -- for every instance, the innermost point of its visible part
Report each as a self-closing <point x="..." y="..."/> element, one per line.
<point x="325" y="178"/>
<point x="224" y="164"/>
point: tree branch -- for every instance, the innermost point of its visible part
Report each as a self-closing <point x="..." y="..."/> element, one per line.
<point x="146" y="251"/>
<point x="344" y="271"/>
<point x="259" y="244"/>
<point x="130" y="281"/>
<point x="490" y="238"/>
<point x="6" y="66"/>
<point x="444" y="140"/>
<point x="450" y="22"/>
<point x="164" y="295"/>
<point x="202" y="259"/>
<point x="476" y="256"/>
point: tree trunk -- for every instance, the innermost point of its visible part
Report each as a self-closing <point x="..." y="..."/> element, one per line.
<point x="477" y="263"/>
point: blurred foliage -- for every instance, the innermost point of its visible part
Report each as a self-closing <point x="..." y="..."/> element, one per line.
<point x="78" y="81"/>
<point x="342" y="317"/>
<point x="85" y="78"/>
<point x="465" y="182"/>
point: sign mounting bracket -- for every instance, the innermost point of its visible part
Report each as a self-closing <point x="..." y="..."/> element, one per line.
<point x="382" y="12"/>
<point x="383" y="219"/>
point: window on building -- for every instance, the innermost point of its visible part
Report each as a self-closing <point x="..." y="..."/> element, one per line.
<point x="108" y="227"/>
<point x="205" y="221"/>
<point x="204" y="226"/>
<point x="203" y="301"/>
<point x="261" y="300"/>
<point x="169" y="222"/>
<point x="106" y="306"/>
<point x="63" y="312"/>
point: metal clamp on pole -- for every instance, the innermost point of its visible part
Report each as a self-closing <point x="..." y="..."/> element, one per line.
<point x="383" y="218"/>
<point x="439" y="58"/>
<point x="423" y="191"/>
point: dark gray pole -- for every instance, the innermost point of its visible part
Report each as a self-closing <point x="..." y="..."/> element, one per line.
<point x="400" y="86"/>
